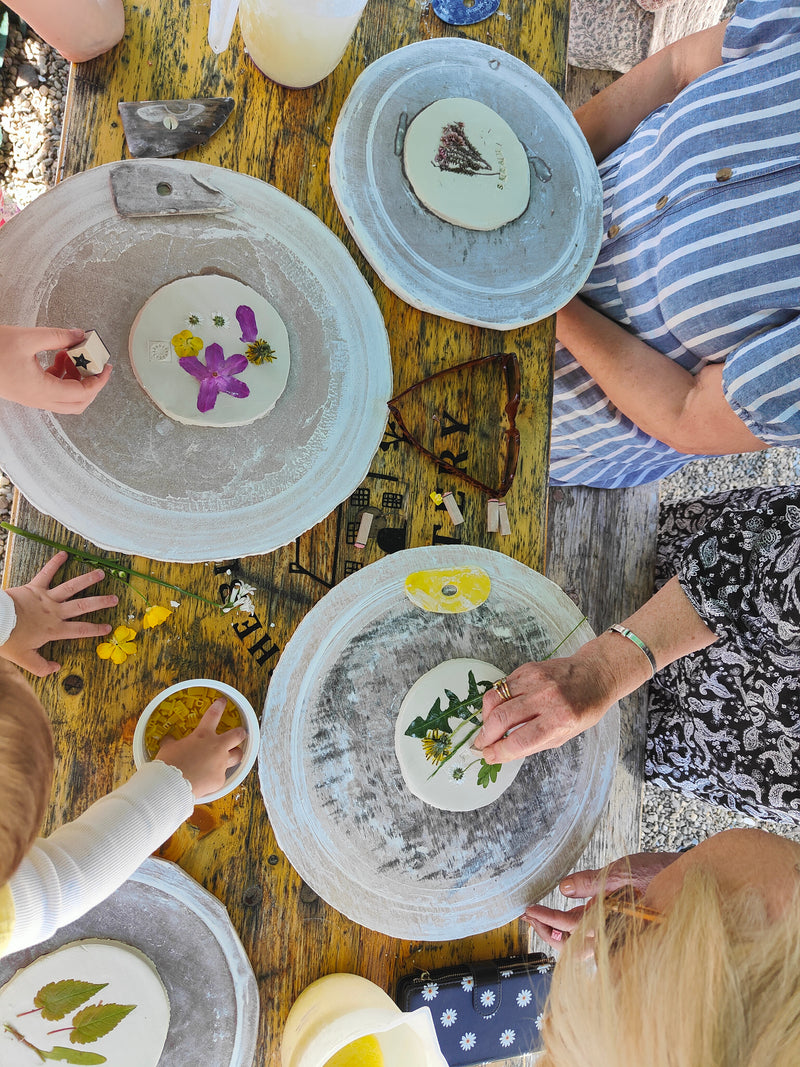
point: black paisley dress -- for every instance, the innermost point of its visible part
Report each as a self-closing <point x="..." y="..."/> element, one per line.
<point x="724" y="723"/>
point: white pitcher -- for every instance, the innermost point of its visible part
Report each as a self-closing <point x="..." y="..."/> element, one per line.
<point x="338" y="1009"/>
<point x="294" y="42"/>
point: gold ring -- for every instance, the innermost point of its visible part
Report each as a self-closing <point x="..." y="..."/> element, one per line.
<point x="501" y="685"/>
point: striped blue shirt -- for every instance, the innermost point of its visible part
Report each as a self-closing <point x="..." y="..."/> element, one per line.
<point x="701" y="253"/>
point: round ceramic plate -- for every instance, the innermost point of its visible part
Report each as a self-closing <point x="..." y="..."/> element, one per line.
<point x="502" y="278"/>
<point x="330" y="779"/>
<point x="123" y="474"/>
<point x="214" y="1006"/>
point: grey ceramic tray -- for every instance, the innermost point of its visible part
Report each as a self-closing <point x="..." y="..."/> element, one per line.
<point x="187" y="934"/>
<point x="503" y="278"/>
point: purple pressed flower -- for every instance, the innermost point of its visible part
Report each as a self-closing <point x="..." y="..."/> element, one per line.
<point x="258" y="350"/>
<point x="216" y="375"/>
<point x="246" y="318"/>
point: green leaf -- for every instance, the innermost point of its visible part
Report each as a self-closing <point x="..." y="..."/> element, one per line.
<point x="439" y="718"/>
<point x="57" y="999"/>
<point x="74" y="1055"/>
<point x="488" y="772"/>
<point x="96" y="1021"/>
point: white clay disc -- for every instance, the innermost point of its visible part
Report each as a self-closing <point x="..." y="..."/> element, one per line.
<point x="466" y="164"/>
<point x="136" y="1041"/>
<point x="443" y="790"/>
<point x="173" y="309"/>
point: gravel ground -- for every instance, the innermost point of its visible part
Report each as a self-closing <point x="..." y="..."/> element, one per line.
<point x="33" y="82"/>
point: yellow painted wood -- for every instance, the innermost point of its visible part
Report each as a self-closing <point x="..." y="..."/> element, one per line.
<point x="283" y="137"/>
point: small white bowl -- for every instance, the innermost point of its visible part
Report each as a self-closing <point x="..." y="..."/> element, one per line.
<point x="237" y="774"/>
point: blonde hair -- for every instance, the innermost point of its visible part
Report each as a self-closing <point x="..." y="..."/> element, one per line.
<point x="26" y="768"/>
<point x="715" y="984"/>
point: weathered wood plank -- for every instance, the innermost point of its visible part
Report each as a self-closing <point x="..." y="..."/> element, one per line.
<point x="601" y="551"/>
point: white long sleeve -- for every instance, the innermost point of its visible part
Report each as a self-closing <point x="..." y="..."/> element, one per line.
<point x="84" y="861"/>
<point x="8" y="616"/>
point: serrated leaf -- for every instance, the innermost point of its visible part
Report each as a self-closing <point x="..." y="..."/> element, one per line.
<point x="74" y="1055"/>
<point x="438" y="718"/>
<point x="96" y="1021"/>
<point x="57" y="999"/>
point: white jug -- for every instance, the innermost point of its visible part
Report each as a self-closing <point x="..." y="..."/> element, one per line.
<point x="338" y="1009"/>
<point x="294" y="42"/>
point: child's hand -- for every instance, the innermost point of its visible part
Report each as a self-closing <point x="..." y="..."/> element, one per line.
<point x="204" y="756"/>
<point x="23" y="379"/>
<point x="43" y="615"/>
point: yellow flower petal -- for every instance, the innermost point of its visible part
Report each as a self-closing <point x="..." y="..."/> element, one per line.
<point x="185" y="344"/>
<point x="128" y="647"/>
<point x="155" y="615"/>
<point x="124" y="633"/>
<point x="104" y="650"/>
<point x="118" y="655"/>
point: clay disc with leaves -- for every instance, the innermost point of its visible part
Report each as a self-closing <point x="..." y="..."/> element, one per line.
<point x="440" y="767"/>
<point x="89" y="1002"/>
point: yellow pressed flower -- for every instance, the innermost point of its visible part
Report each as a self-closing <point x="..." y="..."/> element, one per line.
<point x="120" y="646"/>
<point x="186" y="344"/>
<point x="154" y="616"/>
<point x="437" y="746"/>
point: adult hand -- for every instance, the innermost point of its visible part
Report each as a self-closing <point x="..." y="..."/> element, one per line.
<point x="24" y="380"/>
<point x="44" y="614"/>
<point x="204" y="756"/>
<point x="551" y="702"/>
<point x="554" y="926"/>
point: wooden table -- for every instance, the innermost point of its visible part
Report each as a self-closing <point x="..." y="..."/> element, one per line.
<point x="283" y="137"/>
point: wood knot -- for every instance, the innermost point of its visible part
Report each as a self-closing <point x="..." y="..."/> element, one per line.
<point x="307" y="894"/>
<point x="72" y="684"/>
<point x="251" y="896"/>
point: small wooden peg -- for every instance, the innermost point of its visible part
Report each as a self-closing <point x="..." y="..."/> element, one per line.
<point x="452" y="508"/>
<point x="492" y="520"/>
<point x="364" y="528"/>
<point x="502" y="519"/>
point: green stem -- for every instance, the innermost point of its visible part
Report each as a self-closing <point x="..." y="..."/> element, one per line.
<point x="458" y="747"/>
<point x="111" y="565"/>
<point x="19" y="1037"/>
<point x="577" y="626"/>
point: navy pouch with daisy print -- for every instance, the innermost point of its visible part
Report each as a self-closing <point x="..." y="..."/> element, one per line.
<point x="483" y="1011"/>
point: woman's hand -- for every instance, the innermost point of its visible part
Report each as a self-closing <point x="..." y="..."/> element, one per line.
<point x="24" y="380"/>
<point x="551" y="702"/>
<point x="204" y="756"/>
<point x="45" y="614"/>
<point x="554" y="926"/>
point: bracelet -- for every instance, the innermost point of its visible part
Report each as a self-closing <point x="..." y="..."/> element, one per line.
<point x="618" y="628"/>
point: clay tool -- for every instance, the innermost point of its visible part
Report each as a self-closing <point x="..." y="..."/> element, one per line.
<point x="90" y="356"/>
<point x="141" y="190"/>
<point x="492" y="516"/>
<point x="161" y="128"/>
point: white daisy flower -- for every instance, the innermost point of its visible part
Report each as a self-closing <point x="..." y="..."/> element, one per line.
<point x="524" y="997"/>
<point x="507" y="1038"/>
<point x="468" y="1041"/>
<point x="467" y="983"/>
<point x="448" y="1017"/>
<point x="543" y="968"/>
<point x="194" y="319"/>
<point x="487" y="998"/>
<point x="219" y="320"/>
<point x="539" y="1020"/>
<point x="430" y="991"/>
<point x="506" y="974"/>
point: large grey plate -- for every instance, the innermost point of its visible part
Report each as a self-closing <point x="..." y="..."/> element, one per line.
<point x="329" y="774"/>
<point x="187" y="934"/>
<point x="124" y="475"/>
<point x="501" y="279"/>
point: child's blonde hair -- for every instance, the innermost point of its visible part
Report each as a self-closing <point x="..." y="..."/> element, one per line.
<point x="715" y="984"/>
<point x="26" y="768"/>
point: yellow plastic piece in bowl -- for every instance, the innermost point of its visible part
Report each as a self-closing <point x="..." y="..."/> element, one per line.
<point x="180" y="713"/>
<point x="448" y="591"/>
<point x="365" y="1052"/>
